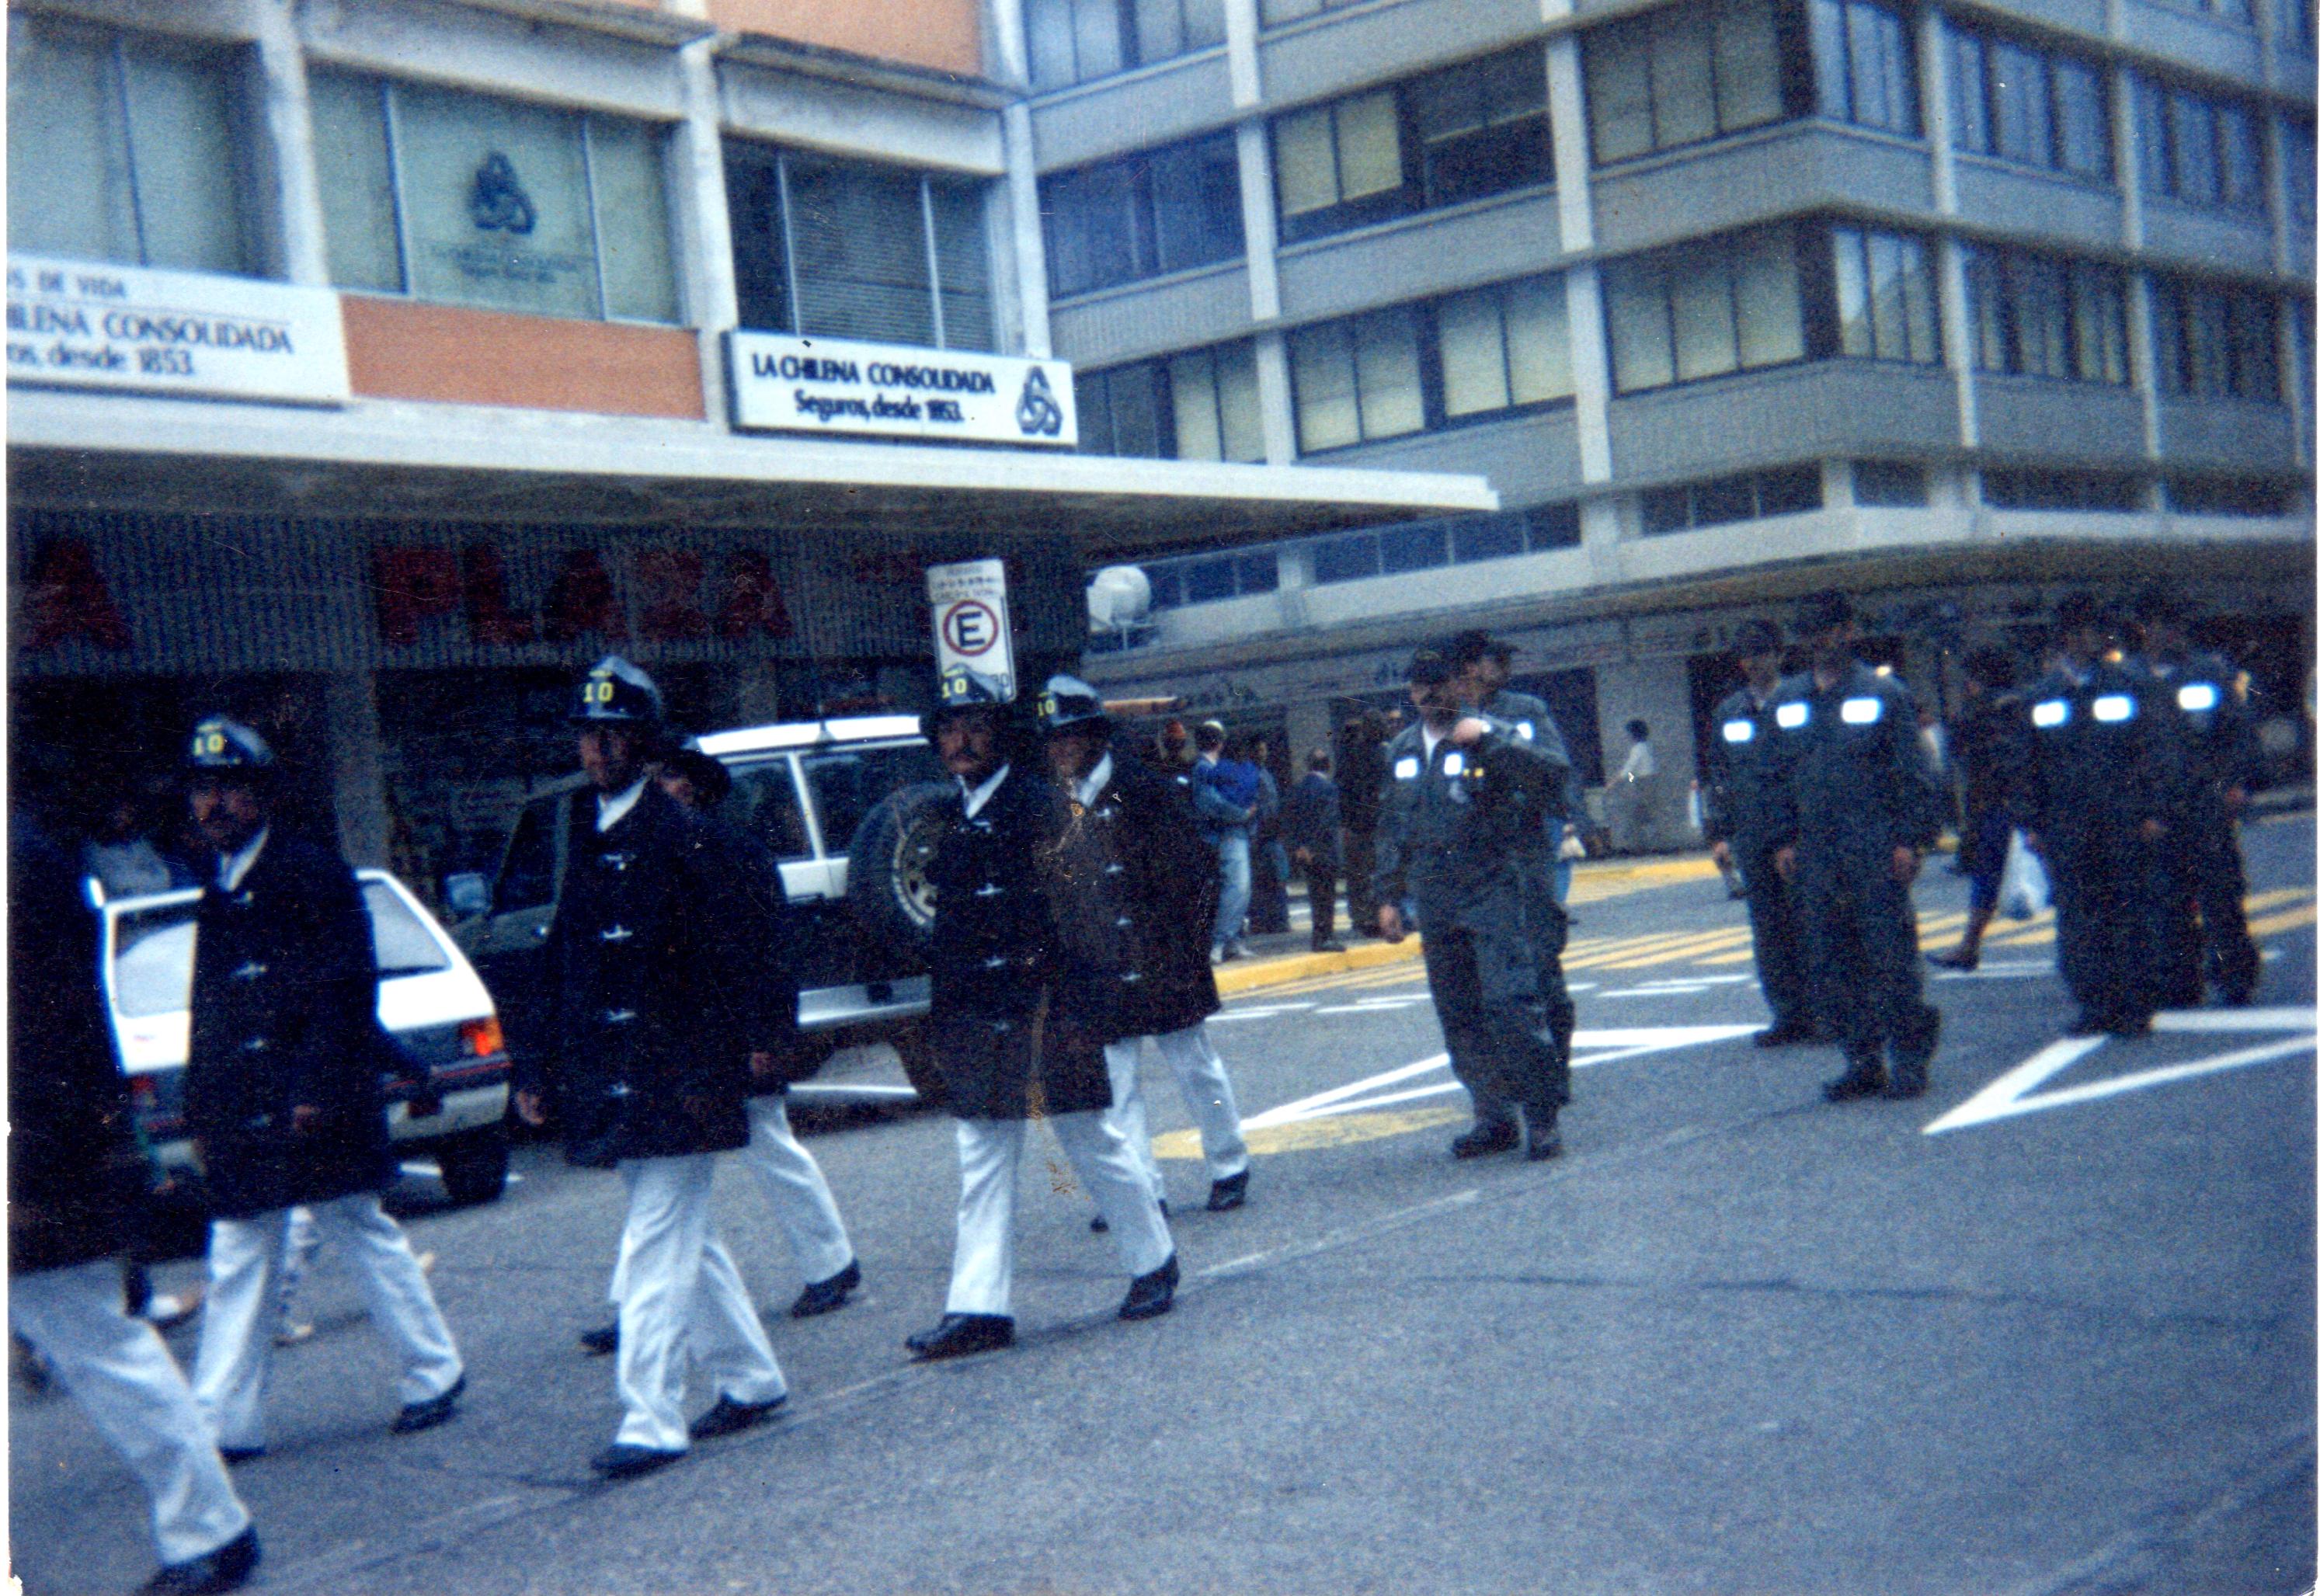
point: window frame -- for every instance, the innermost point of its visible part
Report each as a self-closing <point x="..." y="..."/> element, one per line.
<point x="1980" y="77"/>
<point x="1798" y="90"/>
<point x="2162" y="110"/>
<point x="2072" y="278"/>
<point x="1160" y="371"/>
<point x="1847" y="71"/>
<point x="1126" y="20"/>
<point x="2249" y="322"/>
<point x="1138" y="174"/>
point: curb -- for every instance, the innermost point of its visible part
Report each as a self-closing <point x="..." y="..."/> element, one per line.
<point x="1256" y="975"/>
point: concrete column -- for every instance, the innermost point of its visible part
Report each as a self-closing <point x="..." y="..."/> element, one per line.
<point x="1933" y="105"/>
<point x="1240" y="54"/>
<point x="2141" y="365"/>
<point x="1957" y="336"/>
<point x="1590" y="363"/>
<point x="1657" y="692"/>
<point x="1257" y="225"/>
<point x="1307" y="728"/>
<point x="1600" y="534"/>
<point x="285" y="148"/>
<point x="1590" y="370"/>
<point x="1275" y="399"/>
<point x="2126" y="156"/>
<point x="1025" y="259"/>
<point x="357" y="767"/>
<point x="705" y="230"/>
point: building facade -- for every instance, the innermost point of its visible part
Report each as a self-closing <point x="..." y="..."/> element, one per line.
<point x="375" y="366"/>
<point x="1958" y="305"/>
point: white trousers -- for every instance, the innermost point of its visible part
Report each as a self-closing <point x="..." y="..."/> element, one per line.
<point x="124" y="1380"/>
<point x="682" y="1301"/>
<point x="1208" y="1098"/>
<point x="245" y="1257"/>
<point x="990" y="1152"/>
<point x="795" y="1191"/>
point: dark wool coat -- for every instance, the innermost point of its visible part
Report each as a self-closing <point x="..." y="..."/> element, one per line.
<point x="653" y="960"/>
<point x="74" y="1174"/>
<point x="285" y="1014"/>
<point x="1131" y="883"/>
<point x="993" y="961"/>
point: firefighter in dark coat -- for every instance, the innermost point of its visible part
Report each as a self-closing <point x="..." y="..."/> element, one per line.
<point x="1006" y="1050"/>
<point x="282" y="1096"/>
<point x="2224" y="763"/>
<point x="1487" y="662"/>
<point x="1127" y="881"/>
<point x="1464" y="792"/>
<point x="2106" y="804"/>
<point x="1853" y="806"/>
<point x="1735" y="816"/>
<point x="653" y="969"/>
<point x="75" y="1178"/>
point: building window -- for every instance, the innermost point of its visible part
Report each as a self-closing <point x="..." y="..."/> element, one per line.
<point x="1476" y="128"/>
<point x="1353" y="557"/>
<point x="2229" y="495"/>
<point x="1864" y="68"/>
<point x="2198" y="151"/>
<point x="2042" y="108"/>
<point x="1685" y="72"/>
<point x="1143" y="215"/>
<point x="124" y="147"/>
<point x="1503" y="347"/>
<point x="2215" y="342"/>
<point x="1894" y="482"/>
<point x="835" y="249"/>
<point x="2063" y="490"/>
<point x="1206" y="580"/>
<point x="2303" y="178"/>
<point x="1788" y="491"/>
<point x="1275" y="13"/>
<point x="467" y="199"/>
<point x="1202" y="405"/>
<point x="2037" y="315"/>
<point x="1724" y="304"/>
<point x="1885" y="306"/>
<point x="1356" y="380"/>
<point x="1074" y="41"/>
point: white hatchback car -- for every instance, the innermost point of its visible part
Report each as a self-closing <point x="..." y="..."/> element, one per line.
<point x="448" y="1103"/>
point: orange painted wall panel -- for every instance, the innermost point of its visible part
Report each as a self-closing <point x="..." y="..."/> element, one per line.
<point x="453" y="354"/>
<point x="946" y="35"/>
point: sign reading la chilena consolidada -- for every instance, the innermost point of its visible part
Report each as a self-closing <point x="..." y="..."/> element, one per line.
<point x="786" y="383"/>
<point x="90" y="325"/>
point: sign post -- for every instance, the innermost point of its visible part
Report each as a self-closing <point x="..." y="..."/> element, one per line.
<point x="970" y="628"/>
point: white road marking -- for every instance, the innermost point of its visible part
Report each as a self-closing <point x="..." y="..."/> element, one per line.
<point x="2016" y="1091"/>
<point x="1579" y="986"/>
<point x="1371" y="1006"/>
<point x="1674" y="990"/>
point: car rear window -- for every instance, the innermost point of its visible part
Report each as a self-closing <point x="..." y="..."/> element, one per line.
<point x="849" y="782"/>
<point x="153" y="966"/>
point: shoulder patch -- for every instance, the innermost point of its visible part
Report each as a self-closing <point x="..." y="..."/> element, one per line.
<point x="1739" y="731"/>
<point x="1792" y="715"/>
<point x="1862" y="711"/>
<point x="1405" y="769"/>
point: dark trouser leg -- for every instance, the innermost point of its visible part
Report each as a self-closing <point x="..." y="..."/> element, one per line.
<point x="1321" y="893"/>
<point x="1361" y="859"/>
<point x="1776" y="923"/>
<point x="1452" y="978"/>
<point x="1532" y="1069"/>
<point x="1908" y="1027"/>
<point x="1549" y="929"/>
<point x="2109" y="928"/>
<point x="2232" y="962"/>
<point x="1828" y="903"/>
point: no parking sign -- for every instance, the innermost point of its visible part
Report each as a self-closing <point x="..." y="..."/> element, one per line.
<point x="971" y="630"/>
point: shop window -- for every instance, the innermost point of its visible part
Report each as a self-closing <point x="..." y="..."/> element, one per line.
<point x="1886" y="305"/>
<point x="2198" y="149"/>
<point x="126" y="147"/>
<point x="1724" y="304"/>
<point x="1201" y="405"/>
<point x="2230" y="495"/>
<point x="2040" y="315"/>
<point x="838" y="250"/>
<point x="1683" y="74"/>
<point x="1504" y="347"/>
<point x="1356" y="380"/>
<point x="1895" y="483"/>
<point x="2032" y="105"/>
<point x="467" y="199"/>
<point x="1721" y="500"/>
<point x="1348" y="559"/>
<point x="1212" y="578"/>
<point x="1074" y="41"/>
<point x="2213" y="342"/>
<point x="1864" y="68"/>
<point x="1417" y="547"/>
<point x="1143" y="215"/>
<point x="2116" y="491"/>
<point x="1475" y="129"/>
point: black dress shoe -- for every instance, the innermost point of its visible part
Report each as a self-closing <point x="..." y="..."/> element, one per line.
<point x="1331" y="946"/>
<point x="1483" y="1140"/>
<point x="232" y="1454"/>
<point x="602" y="1341"/>
<point x="434" y="1411"/>
<point x="1783" y="1035"/>
<point x="728" y="1417"/>
<point x="1546" y="1141"/>
<point x="962" y="1334"/>
<point x="1860" y="1081"/>
<point x="1956" y="959"/>
<point x="1228" y="1193"/>
<point x="821" y="1296"/>
<point x="226" y="1569"/>
<point x="2129" y="1025"/>
<point x="1908" y="1081"/>
<point x="622" y="1461"/>
<point x="1151" y="1295"/>
<point x="2088" y="1024"/>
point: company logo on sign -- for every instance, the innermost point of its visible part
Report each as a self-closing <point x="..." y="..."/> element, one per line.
<point x="497" y="201"/>
<point x="783" y="383"/>
<point x="1037" y="412"/>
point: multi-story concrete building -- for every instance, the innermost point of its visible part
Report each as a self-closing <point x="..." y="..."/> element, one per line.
<point x="1958" y="303"/>
<point x="375" y="364"/>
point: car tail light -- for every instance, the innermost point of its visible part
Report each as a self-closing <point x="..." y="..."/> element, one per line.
<point x="483" y="1036"/>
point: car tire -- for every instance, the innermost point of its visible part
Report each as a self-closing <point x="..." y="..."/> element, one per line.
<point x="475" y="1165"/>
<point x="887" y="885"/>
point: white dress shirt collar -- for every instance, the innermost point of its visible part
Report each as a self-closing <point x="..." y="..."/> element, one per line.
<point x="976" y="797"/>
<point x="1090" y="787"/>
<point x="231" y="871"/>
<point x="610" y="811"/>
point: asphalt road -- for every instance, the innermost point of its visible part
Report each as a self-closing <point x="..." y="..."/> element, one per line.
<point x="2048" y="1330"/>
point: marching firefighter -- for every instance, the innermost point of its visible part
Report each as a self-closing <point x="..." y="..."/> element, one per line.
<point x="1738" y="816"/>
<point x="1853" y="806"/>
<point x="1132" y="933"/>
<point x="1005" y="1048"/>
<point x="652" y="963"/>
<point x="2105" y="804"/>
<point x="1464" y="792"/>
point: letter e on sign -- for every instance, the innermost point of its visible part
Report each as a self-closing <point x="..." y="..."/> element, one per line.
<point x="970" y="616"/>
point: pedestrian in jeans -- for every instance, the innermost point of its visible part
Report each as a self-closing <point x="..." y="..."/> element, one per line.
<point x="1308" y="825"/>
<point x="1224" y="799"/>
